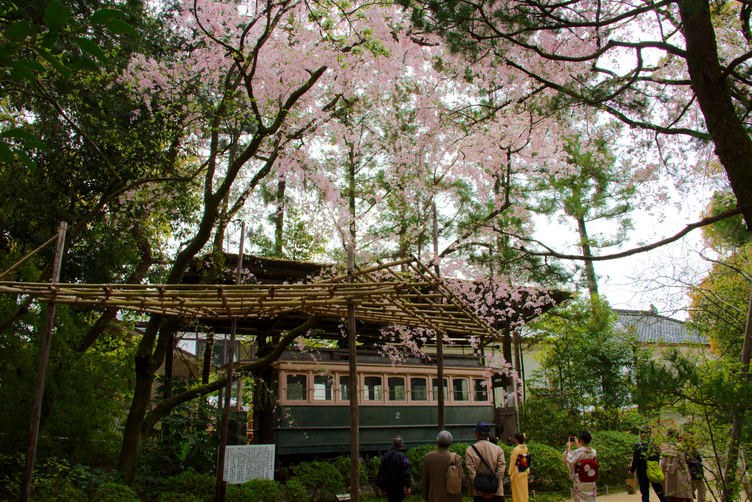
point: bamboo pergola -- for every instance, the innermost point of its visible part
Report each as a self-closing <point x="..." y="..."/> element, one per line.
<point x="381" y="294"/>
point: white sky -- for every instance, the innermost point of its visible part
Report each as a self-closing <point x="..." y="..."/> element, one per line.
<point x="648" y="278"/>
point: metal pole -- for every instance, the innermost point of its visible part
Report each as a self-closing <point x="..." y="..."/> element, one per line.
<point x="221" y="484"/>
<point x="353" y="357"/>
<point x="439" y="336"/>
<point x="36" y="409"/>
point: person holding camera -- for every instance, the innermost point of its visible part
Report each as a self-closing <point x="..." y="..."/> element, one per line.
<point x="582" y="465"/>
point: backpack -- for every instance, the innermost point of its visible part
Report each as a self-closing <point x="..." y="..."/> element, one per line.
<point x="587" y="470"/>
<point x="523" y="462"/>
<point x="454" y="475"/>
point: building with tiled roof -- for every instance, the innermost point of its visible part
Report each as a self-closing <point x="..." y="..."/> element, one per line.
<point x="655" y="332"/>
<point x="650" y="327"/>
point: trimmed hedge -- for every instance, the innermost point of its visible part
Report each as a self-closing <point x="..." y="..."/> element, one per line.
<point x="614" y="456"/>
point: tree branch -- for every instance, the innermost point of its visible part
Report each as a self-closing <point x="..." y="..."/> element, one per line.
<point x="703" y="222"/>
<point x="258" y="366"/>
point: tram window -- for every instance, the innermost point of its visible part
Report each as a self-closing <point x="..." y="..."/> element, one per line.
<point x="460" y="389"/>
<point x="418" y="389"/>
<point x="480" y="388"/>
<point x="322" y="388"/>
<point x="296" y="387"/>
<point x="396" y="388"/>
<point x="344" y="388"/>
<point x="436" y="389"/>
<point x="372" y="388"/>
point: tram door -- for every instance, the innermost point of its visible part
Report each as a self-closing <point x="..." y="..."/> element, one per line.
<point x="505" y="411"/>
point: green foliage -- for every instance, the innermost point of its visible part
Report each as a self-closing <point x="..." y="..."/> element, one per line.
<point x="586" y="362"/>
<point x="342" y="463"/>
<point x="31" y="50"/>
<point x="322" y="480"/>
<point x="373" y="468"/>
<point x="201" y="485"/>
<point x="54" y="478"/>
<point x="729" y="233"/>
<point x="614" y="455"/>
<point x="114" y="492"/>
<point x="294" y="490"/>
<point x="547" y="471"/>
<point x="544" y="420"/>
<point x="187" y="441"/>
<point x="255" y="490"/>
<point x="720" y="302"/>
<point x="83" y="395"/>
<point x="179" y="497"/>
<point x="416" y="456"/>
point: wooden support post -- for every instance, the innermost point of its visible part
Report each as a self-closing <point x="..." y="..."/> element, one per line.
<point x="439" y="336"/>
<point x="221" y="484"/>
<point x="36" y="409"/>
<point x="354" y="394"/>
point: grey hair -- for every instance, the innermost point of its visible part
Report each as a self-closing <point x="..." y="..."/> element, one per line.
<point x="444" y="439"/>
<point x="397" y="442"/>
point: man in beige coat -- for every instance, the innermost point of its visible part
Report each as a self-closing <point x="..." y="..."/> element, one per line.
<point x="435" y="466"/>
<point x="493" y="455"/>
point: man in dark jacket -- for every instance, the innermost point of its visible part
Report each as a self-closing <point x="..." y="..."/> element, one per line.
<point x="394" y="473"/>
<point x="643" y="451"/>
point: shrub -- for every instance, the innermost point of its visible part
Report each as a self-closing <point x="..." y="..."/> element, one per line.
<point x="546" y="421"/>
<point x="322" y="480"/>
<point x="294" y="491"/>
<point x="614" y="456"/>
<point x="114" y="492"/>
<point x="54" y="478"/>
<point x="255" y="490"/>
<point x="342" y="463"/>
<point x="179" y="497"/>
<point x="373" y="468"/>
<point x="204" y="486"/>
<point x="547" y="471"/>
<point x="60" y="490"/>
<point x="416" y="456"/>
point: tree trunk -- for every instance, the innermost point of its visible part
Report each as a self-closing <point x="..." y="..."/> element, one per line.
<point x="732" y="452"/>
<point x="732" y="143"/>
<point x="151" y="353"/>
<point x="279" y="219"/>
<point x="592" y="282"/>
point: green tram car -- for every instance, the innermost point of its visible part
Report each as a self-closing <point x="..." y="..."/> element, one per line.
<point x="313" y="416"/>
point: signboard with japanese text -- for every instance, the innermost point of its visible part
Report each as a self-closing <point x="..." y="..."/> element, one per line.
<point x="246" y="462"/>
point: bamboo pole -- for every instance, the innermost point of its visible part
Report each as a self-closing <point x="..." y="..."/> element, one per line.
<point x="354" y="391"/>
<point x="28" y="256"/>
<point x="439" y="334"/>
<point x="44" y="357"/>
<point x="221" y="483"/>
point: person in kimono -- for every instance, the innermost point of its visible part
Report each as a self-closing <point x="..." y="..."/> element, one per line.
<point x="582" y="465"/>
<point x="519" y="468"/>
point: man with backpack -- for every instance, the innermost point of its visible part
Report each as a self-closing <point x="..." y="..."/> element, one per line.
<point x="485" y="461"/>
<point x="394" y="473"/>
<point x="442" y="475"/>
<point x="645" y="462"/>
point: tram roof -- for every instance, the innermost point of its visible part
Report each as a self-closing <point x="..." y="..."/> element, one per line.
<point x="403" y="292"/>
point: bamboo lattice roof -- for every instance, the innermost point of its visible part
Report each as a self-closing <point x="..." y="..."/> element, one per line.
<point x="380" y="294"/>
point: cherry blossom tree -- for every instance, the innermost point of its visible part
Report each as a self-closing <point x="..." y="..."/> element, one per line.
<point x="674" y="71"/>
<point x="247" y="84"/>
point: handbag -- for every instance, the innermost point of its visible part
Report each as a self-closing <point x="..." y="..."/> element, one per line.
<point x="654" y="471"/>
<point x="485" y="483"/>
<point x="631" y="489"/>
